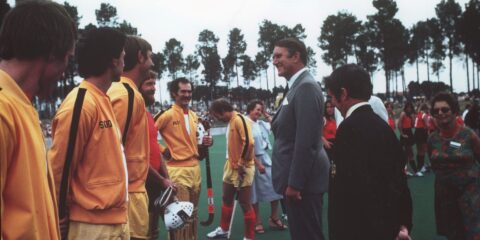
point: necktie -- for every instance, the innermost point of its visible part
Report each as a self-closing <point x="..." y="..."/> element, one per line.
<point x="285" y="91"/>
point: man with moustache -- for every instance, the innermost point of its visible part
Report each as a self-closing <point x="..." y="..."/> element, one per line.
<point x="96" y="186"/>
<point x="157" y="178"/>
<point x="178" y="127"/>
<point x="34" y="52"/>
<point x="300" y="163"/>
<point x="129" y="108"/>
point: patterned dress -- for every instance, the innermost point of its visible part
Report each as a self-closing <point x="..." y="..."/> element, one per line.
<point x="457" y="185"/>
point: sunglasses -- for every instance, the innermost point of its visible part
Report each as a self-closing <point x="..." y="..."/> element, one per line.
<point x="437" y="111"/>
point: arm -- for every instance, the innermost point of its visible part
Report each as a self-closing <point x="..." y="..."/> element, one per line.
<point x="164" y="182"/>
<point x="259" y="166"/>
<point x="120" y="107"/>
<point x="309" y="124"/>
<point x="326" y="143"/>
<point x="399" y="124"/>
<point x="160" y="123"/>
<point x="6" y="148"/>
<point x="163" y="169"/>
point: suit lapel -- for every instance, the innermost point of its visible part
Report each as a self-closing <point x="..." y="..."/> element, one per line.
<point x="291" y="89"/>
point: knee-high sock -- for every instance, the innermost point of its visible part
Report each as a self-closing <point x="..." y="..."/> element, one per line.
<point x="420" y="161"/>
<point x="226" y="215"/>
<point x="249" y="220"/>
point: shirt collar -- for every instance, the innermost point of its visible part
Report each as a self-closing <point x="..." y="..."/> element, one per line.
<point x="354" y="107"/>
<point x="129" y="81"/>
<point x="9" y="84"/>
<point x="295" y="76"/>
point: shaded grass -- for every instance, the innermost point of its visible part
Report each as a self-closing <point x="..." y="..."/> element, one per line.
<point x="421" y="189"/>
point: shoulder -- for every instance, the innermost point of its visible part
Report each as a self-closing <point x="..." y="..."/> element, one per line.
<point x="89" y="105"/>
<point x="117" y="90"/>
<point x="7" y="118"/>
<point x="163" y="114"/>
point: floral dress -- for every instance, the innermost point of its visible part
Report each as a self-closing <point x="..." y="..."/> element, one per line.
<point x="457" y="185"/>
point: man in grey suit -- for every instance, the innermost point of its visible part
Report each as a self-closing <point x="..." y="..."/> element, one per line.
<point x="300" y="165"/>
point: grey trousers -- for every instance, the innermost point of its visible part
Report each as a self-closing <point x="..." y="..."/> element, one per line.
<point x="305" y="217"/>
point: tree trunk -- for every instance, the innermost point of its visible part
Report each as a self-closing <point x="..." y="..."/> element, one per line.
<point x="396" y="83"/>
<point x="266" y="77"/>
<point x="478" y="79"/>
<point x="468" y="74"/>
<point x="473" y="74"/>
<point x="450" y="56"/>
<point x="236" y="71"/>
<point x="387" y="84"/>
<point x="428" y="69"/>
<point x="418" y="75"/>
<point x="274" y="78"/>
<point x="404" y="85"/>
<point x="260" y="81"/>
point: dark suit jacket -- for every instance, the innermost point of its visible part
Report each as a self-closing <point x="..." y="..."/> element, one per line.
<point x="368" y="196"/>
<point x="298" y="157"/>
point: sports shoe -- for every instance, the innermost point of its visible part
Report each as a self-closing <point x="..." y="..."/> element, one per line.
<point x="419" y="174"/>
<point x="423" y="170"/>
<point x="284" y="217"/>
<point x="410" y="174"/>
<point x="217" y="233"/>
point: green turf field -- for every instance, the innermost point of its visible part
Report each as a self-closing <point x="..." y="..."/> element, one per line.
<point x="421" y="189"/>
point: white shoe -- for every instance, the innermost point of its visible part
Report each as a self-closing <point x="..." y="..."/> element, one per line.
<point x="284" y="217"/>
<point x="217" y="233"/>
<point x="419" y="174"/>
<point x="423" y="170"/>
<point x="410" y="174"/>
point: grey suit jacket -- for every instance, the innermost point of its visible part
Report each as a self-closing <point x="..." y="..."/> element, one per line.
<point x="299" y="159"/>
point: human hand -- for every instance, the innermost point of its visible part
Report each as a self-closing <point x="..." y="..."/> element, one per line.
<point x="207" y="140"/>
<point x="166" y="182"/>
<point x="166" y="154"/>
<point x="241" y="172"/>
<point x="403" y="234"/>
<point x="327" y="144"/>
<point x="261" y="168"/>
<point x="292" y="194"/>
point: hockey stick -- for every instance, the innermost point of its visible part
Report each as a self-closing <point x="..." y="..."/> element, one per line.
<point x="211" y="206"/>
<point x="237" y="193"/>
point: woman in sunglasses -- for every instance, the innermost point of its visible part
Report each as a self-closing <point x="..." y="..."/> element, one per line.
<point x="454" y="152"/>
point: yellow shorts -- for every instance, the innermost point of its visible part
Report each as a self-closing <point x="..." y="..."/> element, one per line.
<point x="138" y="215"/>
<point x="230" y="175"/>
<point x="190" y="177"/>
<point x="80" y="230"/>
<point x="188" y="181"/>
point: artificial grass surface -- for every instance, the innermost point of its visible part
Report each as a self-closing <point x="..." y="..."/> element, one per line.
<point x="421" y="189"/>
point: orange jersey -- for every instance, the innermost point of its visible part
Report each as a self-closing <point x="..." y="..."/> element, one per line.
<point x="98" y="178"/>
<point x="137" y="144"/>
<point x="28" y="208"/>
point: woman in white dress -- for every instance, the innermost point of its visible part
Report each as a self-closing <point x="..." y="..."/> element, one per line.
<point x="262" y="188"/>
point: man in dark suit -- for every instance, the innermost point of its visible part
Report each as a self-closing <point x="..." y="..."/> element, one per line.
<point x="300" y="164"/>
<point x="368" y="194"/>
